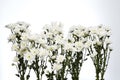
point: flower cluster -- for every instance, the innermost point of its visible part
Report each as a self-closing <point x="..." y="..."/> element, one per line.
<point x="52" y="55"/>
<point x="100" y="49"/>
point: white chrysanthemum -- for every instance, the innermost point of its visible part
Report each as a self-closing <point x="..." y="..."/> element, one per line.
<point x="107" y="41"/>
<point x="107" y="29"/>
<point x="79" y="45"/>
<point x="49" y="35"/>
<point x="25" y="36"/>
<point x="108" y="33"/>
<point x="68" y="46"/>
<point x="43" y="52"/>
<point x="23" y="25"/>
<point x="81" y="34"/>
<point x="15" y="59"/>
<point x="34" y="51"/>
<point x="57" y="66"/>
<point x="57" y="27"/>
<point x="11" y="37"/>
<point x="59" y="39"/>
<point x="29" y="56"/>
<point x="23" y="44"/>
<point x="11" y="26"/>
<point x="76" y="32"/>
<point x="93" y="30"/>
<point x="15" y="47"/>
<point x="52" y="47"/>
<point x="78" y="27"/>
<point x="34" y="37"/>
<point x="17" y="29"/>
<point x="101" y="32"/>
<point x="60" y="58"/>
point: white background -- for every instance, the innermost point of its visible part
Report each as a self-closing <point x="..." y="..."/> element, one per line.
<point x="69" y="12"/>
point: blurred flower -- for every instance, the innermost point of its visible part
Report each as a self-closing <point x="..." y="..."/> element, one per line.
<point x="69" y="47"/>
<point x="57" y="66"/>
<point x="43" y="52"/>
<point x="79" y="46"/>
<point x="34" y="51"/>
<point x="15" y="47"/>
<point x="52" y="47"/>
<point x="12" y="37"/>
<point x="25" y="36"/>
<point x="107" y="41"/>
<point x="29" y="56"/>
<point x="60" y="58"/>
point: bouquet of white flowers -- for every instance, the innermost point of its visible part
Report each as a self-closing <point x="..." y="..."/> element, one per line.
<point x="52" y="55"/>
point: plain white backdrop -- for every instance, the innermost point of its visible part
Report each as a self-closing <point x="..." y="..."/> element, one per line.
<point x="69" y="12"/>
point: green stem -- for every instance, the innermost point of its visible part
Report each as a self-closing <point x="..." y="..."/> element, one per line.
<point x="97" y="67"/>
<point x="37" y="68"/>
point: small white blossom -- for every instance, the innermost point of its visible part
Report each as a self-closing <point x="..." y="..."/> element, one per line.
<point x="43" y="52"/>
<point x="34" y="51"/>
<point x="23" y="25"/>
<point x="52" y="47"/>
<point x="60" y="58"/>
<point x="49" y="35"/>
<point x="68" y="46"/>
<point x="107" y="41"/>
<point x="17" y="29"/>
<point x="28" y="56"/>
<point x="15" y="47"/>
<point x="59" y="39"/>
<point x="107" y="29"/>
<point x="101" y="32"/>
<point x="81" y="34"/>
<point x="57" y="27"/>
<point x="23" y="44"/>
<point x="79" y="45"/>
<point x="108" y="33"/>
<point x="34" y="37"/>
<point x="25" y="36"/>
<point x="11" y="26"/>
<point x="11" y="37"/>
